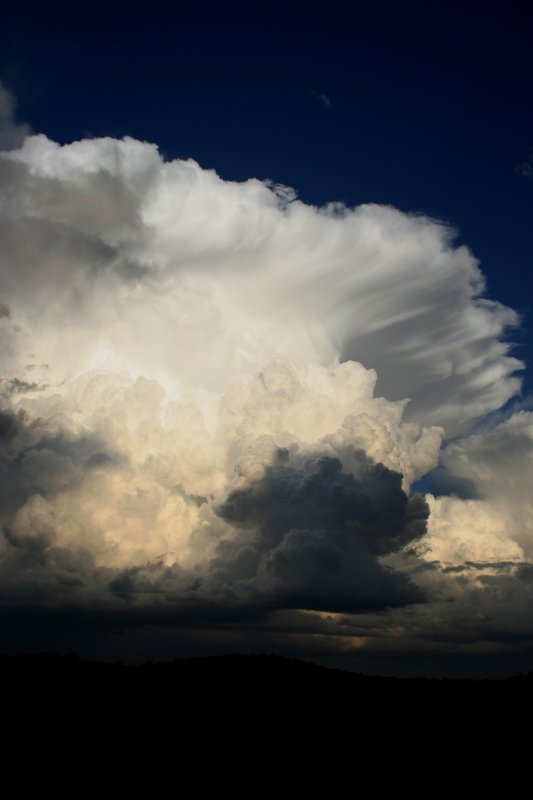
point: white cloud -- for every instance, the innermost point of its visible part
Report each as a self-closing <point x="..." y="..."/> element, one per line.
<point x="496" y="524"/>
<point x="167" y="334"/>
<point x="461" y="531"/>
<point x="170" y="272"/>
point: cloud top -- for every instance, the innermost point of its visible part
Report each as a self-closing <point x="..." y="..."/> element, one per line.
<point x="136" y="254"/>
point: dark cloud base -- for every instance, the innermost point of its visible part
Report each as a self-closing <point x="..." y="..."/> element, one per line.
<point x="134" y="637"/>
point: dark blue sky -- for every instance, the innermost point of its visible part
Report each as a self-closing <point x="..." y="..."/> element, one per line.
<point x="427" y="107"/>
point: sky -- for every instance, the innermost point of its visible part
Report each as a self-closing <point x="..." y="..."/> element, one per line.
<point x="265" y="308"/>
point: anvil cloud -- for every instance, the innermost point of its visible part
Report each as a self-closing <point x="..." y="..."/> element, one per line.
<point x="217" y="396"/>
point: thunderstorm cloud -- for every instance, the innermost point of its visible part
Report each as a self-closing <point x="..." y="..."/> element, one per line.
<point x="215" y="399"/>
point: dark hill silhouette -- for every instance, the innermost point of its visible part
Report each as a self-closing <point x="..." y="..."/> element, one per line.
<point x="243" y="678"/>
<point x="219" y="715"/>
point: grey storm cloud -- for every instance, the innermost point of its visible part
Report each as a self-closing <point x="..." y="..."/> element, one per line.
<point x="317" y="493"/>
<point x="315" y="533"/>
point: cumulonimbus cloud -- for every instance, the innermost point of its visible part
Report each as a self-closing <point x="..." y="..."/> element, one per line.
<point x="190" y="407"/>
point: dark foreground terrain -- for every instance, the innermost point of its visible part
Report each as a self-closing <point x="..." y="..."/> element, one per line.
<point x="250" y="683"/>
<point x="247" y="719"/>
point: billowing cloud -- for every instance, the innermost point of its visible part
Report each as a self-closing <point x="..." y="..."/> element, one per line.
<point x="313" y="532"/>
<point x="108" y="468"/>
<point x="215" y="399"/>
<point x="494" y="521"/>
<point x="165" y="270"/>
